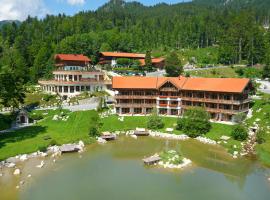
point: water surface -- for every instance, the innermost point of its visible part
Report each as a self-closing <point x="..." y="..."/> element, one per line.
<point x="115" y="171"/>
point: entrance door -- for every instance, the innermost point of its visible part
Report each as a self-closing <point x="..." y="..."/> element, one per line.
<point x="22" y="120"/>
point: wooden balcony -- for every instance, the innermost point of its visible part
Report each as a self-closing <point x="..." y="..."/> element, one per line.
<point x="170" y="97"/>
<point x="74" y="72"/>
<point x="219" y="110"/>
<point x="73" y="83"/>
<point x="173" y="105"/>
<point x="220" y="101"/>
<point x="135" y="97"/>
<point x="136" y="105"/>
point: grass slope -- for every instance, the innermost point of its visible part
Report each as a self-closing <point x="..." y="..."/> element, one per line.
<point x="261" y="114"/>
<point x="32" y="138"/>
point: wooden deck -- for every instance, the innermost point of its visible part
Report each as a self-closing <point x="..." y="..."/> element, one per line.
<point x="108" y="137"/>
<point x="151" y="160"/>
<point x="141" y="133"/>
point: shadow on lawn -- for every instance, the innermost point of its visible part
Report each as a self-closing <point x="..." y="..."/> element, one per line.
<point x="22" y="134"/>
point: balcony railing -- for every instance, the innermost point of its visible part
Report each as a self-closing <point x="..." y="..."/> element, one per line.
<point x="135" y="97"/>
<point x="223" y="101"/>
<point x="220" y="110"/>
<point x="136" y="105"/>
<point x="170" y="97"/>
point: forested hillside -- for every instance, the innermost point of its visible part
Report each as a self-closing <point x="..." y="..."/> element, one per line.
<point x="239" y="33"/>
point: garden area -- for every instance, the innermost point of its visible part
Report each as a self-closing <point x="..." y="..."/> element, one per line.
<point x="74" y="126"/>
<point x="69" y="127"/>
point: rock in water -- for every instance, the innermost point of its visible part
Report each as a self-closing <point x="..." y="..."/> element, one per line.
<point x="41" y="164"/>
<point x="11" y="165"/>
<point x="23" y="157"/>
<point x="134" y="136"/>
<point x="17" y="172"/>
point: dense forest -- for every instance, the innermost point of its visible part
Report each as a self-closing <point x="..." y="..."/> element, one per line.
<point x="238" y="29"/>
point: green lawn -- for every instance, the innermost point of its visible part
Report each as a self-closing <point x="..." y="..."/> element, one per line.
<point x="32" y="138"/>
<point x="130" y="123"/>
<point x="76" y="128"/>
<point x="215" y="73"/>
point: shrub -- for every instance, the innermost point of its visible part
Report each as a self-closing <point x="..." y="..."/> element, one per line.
<point x="260" y="137"/>
<point x="36" y="116"/>
<point x="239" y="132"/>
<point x="195" y="122"/>
<point x="48" y="97"/>
<point x="42" y="148"/>
<point x="240" y="117"/>
<point x="154" y="121"/>
<point x="53" y="143"/>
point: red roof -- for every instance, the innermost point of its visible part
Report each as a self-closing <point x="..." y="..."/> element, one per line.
<point x="154" y="61"/>
<point x="123" y="55"/>
<point x="72" y="57"/>
<point x="138" y="82"/>
<point x="234" y="85"/>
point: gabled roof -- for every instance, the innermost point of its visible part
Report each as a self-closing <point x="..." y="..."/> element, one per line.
<point x="233" y="85"/>
<point x="123" y="55"/>
<point x="154" y="61"/>
<point x="72" y="57"/>
<point x="138" y="82"/>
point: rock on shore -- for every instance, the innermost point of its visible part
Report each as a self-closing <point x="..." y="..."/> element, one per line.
<point x="206" y="140"/>
<point x="186" y="162"/>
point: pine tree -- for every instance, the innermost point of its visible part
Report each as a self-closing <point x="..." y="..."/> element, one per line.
<point x="173" y="65"/>
<point x="148" y="61"/>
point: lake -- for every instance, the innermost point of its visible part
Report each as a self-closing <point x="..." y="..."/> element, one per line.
<point x="115" y="171"/>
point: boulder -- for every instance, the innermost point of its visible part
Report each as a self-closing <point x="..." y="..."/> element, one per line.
<point x="41" y="164"/>
<point x="23" y="157"/>
<point x="134" y="136"/>
<point x="224" y="137"/>
<point x="17" y="172"/>
<point x="169" y="129"/>
<point x="10" y="165"/>
<point x="12" y="160"/>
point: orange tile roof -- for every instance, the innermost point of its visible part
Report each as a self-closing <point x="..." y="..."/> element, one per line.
<point x="234" y="85"/>
<point x="72" y="57"/>
<point x="216" y="84"/>
<point x="137" y="82"/>
<point x="154" y="61"/>
<point x="123" y="55"/>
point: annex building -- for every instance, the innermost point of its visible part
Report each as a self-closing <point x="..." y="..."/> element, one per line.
<point x="111" y="59"/>
<point x="223" y="98"/>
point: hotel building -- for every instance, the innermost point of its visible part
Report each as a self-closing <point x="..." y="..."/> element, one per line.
<point x="223" y="98"/>
<point x="73" y="75"/>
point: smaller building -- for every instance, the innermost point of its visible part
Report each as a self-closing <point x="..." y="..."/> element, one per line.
<point x="111" y="59"/>
<point x="23" y="117"/>
<point x="75" y="74"/>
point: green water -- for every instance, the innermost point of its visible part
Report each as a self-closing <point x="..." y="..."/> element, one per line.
<point x="115" y="171"/>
